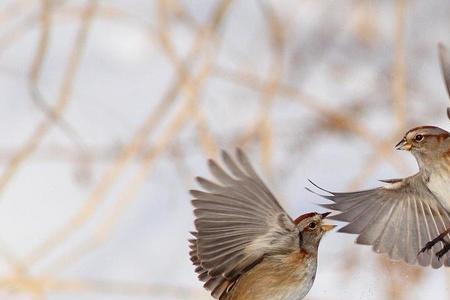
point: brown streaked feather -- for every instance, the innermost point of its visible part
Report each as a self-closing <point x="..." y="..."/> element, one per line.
<point x="304" y="216"/>
<point x="398" y="219"/>
<point x="237" y="222"/>
<point x="273" y="278"/>
<point x="217" y="285"/>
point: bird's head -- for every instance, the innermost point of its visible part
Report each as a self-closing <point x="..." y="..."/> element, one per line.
<point x="425" y="142"/>
<point x="311" y="229"/>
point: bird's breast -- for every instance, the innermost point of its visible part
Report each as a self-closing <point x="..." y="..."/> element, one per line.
<point x="285" y="278"/>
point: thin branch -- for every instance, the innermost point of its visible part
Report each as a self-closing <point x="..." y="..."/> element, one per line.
<point x="65" y="92"/>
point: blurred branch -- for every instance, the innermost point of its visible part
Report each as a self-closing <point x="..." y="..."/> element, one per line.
<point x="345" y="123"/>
<point x="16" y="266"/>
<point x="269" y="92"/>
<point x="399" y="70"/>
<point x="204" y="33"/>
<point x="197" y="44"/>
<point x="64" y="95"/>
<point x="76" y="286"/>
<point x="35" y="74"/>
<point x="23" y="27"/>
<point x="130" y="150"/>
<point x="126" y="197"/>
<point x="11" y="10"/>
<point x="191" y="87"/>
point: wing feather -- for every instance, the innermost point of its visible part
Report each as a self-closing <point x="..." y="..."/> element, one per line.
<point x="363" y="220"/>
<point x="399" y="247"/>
<point x="434" y="232"/>
<point x="397" y="219"/>
<point x="411" y="228"/>
<point x="385" y="242"/>
<point x="237" y="219"/>
<point x="425" y="235"/>
<point x="374" y="229"/>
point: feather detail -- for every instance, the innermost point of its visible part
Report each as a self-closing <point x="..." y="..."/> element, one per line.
<point x="397" y="219"/>
<point x="238" y="222"/>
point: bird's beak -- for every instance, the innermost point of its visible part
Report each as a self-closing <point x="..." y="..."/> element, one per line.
<point x="326" y="227"/>
<point x="324" y="215"/>
<point x="403" y="145"/>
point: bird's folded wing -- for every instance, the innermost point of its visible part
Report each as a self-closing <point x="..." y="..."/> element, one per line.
<point x="237" y="220"/>
<point x="397" y="219"/>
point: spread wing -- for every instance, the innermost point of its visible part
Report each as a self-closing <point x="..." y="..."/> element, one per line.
<point x="444" y="57"/>
<point x="397" y="219"/>
<point x="237" y="221"/>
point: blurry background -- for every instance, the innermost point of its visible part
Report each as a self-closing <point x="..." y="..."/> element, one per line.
<point x="109" y="108"/>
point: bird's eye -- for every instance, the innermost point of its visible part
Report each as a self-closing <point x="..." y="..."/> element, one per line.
<point x="312" y="225"/>
<point x="418" y="138"/>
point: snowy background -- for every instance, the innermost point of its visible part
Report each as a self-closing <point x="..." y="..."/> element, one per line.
<point x="108" y="109"/>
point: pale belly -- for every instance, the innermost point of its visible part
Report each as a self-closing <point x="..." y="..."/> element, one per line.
<point x="276" y="282"/>
<point x="440" y="187"/>
<point x="298" y="292"/>
<point x="295" y="292"/>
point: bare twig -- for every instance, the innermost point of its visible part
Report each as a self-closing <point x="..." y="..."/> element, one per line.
<point x="63" y="98"/>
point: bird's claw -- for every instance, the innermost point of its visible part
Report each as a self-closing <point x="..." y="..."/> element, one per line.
<point x="428" y="246"/>
<point x="443" y="251"/>
<point x="439" y="238"/>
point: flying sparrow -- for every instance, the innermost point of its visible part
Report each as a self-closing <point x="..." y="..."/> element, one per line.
<point x="246" y="247"/>
<point x="402" y="216"/>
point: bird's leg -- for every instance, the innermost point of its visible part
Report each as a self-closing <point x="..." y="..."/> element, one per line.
<point x="443" y="251"/>
<point x="439" y="238"/>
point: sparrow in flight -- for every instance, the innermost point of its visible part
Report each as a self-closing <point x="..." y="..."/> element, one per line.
<point x="245" y="246"/>
<point x="407" y="216"/>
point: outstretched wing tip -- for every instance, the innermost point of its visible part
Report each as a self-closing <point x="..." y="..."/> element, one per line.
<point x="211" y="162"/>
<point x="310" y="190"/>
<point x="239" y="151"/>
<point x="376" y="215"/>
<point x="201" y="180"/>
<point x="320" y="188"/>
<point x="224" y="153"/>
<point x="327" y="206"/>
<point x="236" y="207"/>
